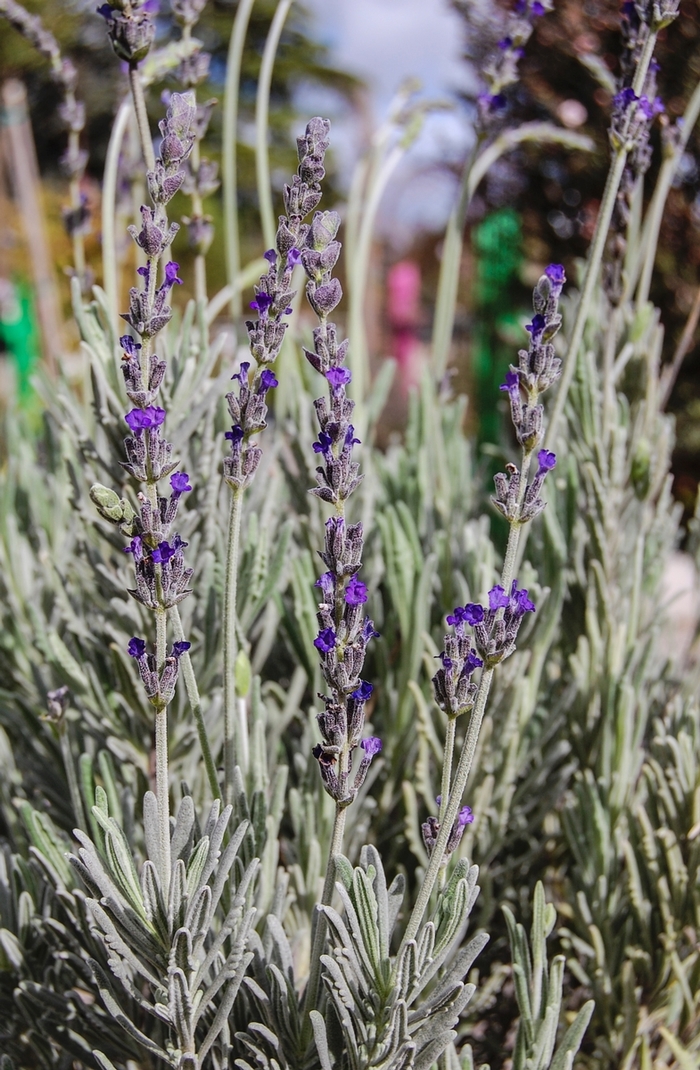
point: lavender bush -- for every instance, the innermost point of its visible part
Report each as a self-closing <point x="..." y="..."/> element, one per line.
<point x="254" y="739"/>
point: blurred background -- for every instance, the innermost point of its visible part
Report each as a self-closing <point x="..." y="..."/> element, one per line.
<point x="348" y="60"/>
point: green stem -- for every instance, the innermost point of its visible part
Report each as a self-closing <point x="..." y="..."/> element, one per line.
<point x="262" y="109"/>
<point x="460" y="782"/>
<point x="607" y="206"/>
<point x="142" y="117"/>
<point x="319" y="927"/>
<point x="75" y="796"/>
<point x="592" y="267"/>
<point x="162" y="779"/>
<point x="195" y="703"/>
<point x="359" y="359"/>
<point x="109" y="199"/>
<point x="447" y="766"/>
<point x="466" y="758"/>
<point x="448" y="280"/>
<point x="230" y="640"/>
<point x="228" y="159"/>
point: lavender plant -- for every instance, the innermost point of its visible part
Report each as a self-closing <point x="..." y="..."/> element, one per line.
<point x="253" y="939"/>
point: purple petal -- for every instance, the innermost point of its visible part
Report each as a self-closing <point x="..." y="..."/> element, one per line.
<point x="371" y="746"/>
<point x="356" y="592"/>
<point x="498" y="599"/>
<point x="136" y="647"/>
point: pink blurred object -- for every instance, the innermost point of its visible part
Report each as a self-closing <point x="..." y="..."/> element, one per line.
<point x="403" y="310"/>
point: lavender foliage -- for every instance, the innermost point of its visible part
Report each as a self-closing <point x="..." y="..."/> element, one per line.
<point x="587" y="768"/>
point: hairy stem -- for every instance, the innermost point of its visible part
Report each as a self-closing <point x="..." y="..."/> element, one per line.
<point x="230" y="640"/>
<point x="460" y="782"/>
<point x="228" y="158"/>
<point x="447" y="766"/>
<point x="448" y="815"/>
<point x="195" y="703"/>
<point x="162" y="779"/>
<point x="607" y="206"/>
<point x="142" y="117"/>
<point x="109" y="198"/>
<point x="319" y="925"/>
<point x="359" y="361"/>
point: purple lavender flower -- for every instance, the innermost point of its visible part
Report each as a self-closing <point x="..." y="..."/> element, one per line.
<point x="180" y="647"/>
<point x="519" y="602"/>
<point x="473" y="662"/>
<point x="512" y="383"/>
<point x="165" y="550"/>
<point x="171" y="270"/>
<point x="324" y="443"/>
<point x="356" y="592"/>
<point x="267" y="381"/>
<point x="556" y="274"/>
<point x="293" y="258"/>
<point x="537" y="326"/>
<point x="473" y="613"/>
<point x="242" y="374"/>
<point x="456" y="617"/>
<point x="465" y="816"/>
<point x="363" y="692"/>
<point x="447" y="663"/>
<point x="235" y="434"/>
<point x="129" y="345"/>
<point x="350" y="439"/>
<point x="325" y="640"/>
<point x="546" y="461"/>
<point x="143" y="419"/>
<point x="262" y="303"/>
<point x="492" y="101"/>
<point x="369" y="631"/>
<point x="180" y="482"/>
<point x="136" y="647"/>
<point x="498" y="599"/>
<point x="327" y="584"/>
<point x="624" y="98"/>
<point x="338" y="377"/>
<point x="270" y="256"/>
<point x="135" y="547"/>
<point x="371" y="746"/>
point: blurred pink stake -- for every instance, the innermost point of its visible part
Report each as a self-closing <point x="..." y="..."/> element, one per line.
<point x="403" y="309"/>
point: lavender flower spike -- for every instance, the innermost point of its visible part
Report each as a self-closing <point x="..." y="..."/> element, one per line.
<point x="344" y="630"/>
<point x="272" y="303"/>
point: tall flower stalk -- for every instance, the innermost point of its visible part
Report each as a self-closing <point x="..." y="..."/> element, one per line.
<point x="484" y="636"/>
<point x="247" y="401"/>
<point x="632" y="112"/>
<point x="161" y="575"/>
<point x="344" y="629"/>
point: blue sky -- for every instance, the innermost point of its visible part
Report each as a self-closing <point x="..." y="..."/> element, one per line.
<point x="386" y="42"/>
